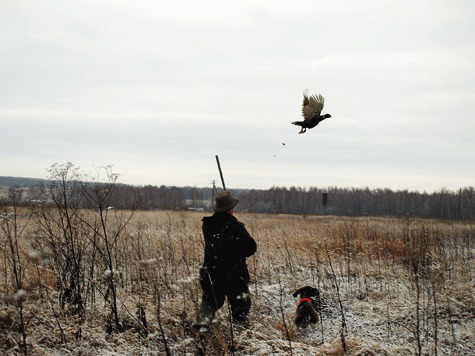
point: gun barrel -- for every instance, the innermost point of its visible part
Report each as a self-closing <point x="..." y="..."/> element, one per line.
<point x="220" y="172"/>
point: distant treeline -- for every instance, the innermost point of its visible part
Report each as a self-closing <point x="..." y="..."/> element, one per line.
<point x="443" y="204"/>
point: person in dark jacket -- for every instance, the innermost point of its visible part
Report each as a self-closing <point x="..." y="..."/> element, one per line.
<point x="224" y="273"/>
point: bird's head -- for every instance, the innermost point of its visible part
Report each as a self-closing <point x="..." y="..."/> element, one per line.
<point x="326" y="116"/>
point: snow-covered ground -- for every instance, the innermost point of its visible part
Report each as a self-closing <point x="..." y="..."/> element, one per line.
<point x="380" y="319"/>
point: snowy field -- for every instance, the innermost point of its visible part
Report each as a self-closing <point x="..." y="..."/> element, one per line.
<point x="388" y="286"/>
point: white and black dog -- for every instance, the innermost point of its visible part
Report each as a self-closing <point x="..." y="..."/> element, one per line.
<point x="308" y="306"/>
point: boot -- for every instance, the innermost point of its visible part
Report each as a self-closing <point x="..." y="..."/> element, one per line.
<point x="205" y="317"/>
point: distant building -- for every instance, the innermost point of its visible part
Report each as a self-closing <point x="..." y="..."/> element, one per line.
<point x="198" y="205"/>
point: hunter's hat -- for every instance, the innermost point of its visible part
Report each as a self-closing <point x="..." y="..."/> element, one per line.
<point x="225" y="202"/>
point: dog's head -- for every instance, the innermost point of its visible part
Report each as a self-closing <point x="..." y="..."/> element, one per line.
<point x="307" y="292"/>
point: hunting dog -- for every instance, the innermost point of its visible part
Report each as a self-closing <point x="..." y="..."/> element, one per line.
<point x="308" y="306"/>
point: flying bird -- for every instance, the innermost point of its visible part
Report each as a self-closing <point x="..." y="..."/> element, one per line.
<point x="311" y="109"/>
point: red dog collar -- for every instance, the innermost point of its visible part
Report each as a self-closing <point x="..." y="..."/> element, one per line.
<point x="304" y="300"/>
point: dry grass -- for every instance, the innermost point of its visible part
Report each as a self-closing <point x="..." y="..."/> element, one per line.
<point x="372" y="264"/>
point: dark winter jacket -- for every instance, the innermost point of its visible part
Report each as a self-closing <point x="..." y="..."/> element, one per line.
<point x="227" y="244"/>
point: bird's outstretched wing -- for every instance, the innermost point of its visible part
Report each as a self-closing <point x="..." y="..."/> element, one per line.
<point x="312" y="105"/>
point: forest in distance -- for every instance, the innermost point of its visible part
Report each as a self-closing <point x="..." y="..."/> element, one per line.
<point x="442" y="204"/>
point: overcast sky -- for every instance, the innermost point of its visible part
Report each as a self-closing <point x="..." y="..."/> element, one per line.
<point x="158" y="88"/>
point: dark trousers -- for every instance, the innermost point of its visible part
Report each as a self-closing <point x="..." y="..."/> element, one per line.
<point x="216" y="288"/>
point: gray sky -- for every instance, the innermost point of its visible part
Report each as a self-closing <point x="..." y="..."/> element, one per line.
<point x="158" y="88"/>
